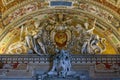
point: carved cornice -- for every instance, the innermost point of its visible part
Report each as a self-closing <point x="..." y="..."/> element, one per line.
<point x="76" y="59"/>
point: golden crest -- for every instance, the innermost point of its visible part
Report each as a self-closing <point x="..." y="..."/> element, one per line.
<point x="60" y="39"/>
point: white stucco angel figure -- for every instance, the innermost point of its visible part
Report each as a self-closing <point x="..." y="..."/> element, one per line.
<point x="34" y="42"/>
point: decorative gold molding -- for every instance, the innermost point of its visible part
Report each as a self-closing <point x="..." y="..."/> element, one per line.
<point x="6" y="2"/>
<point x="114" y="2"/>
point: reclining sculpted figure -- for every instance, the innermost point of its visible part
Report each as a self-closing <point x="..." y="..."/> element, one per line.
<point x="90" y="46"/>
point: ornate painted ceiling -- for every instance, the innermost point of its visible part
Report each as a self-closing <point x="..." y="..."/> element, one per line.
<point x="61" y="24"/>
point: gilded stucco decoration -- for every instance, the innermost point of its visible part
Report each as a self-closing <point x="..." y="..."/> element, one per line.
<point x="115" y="2"/>
<point x="60" y="27"/>
<point x="6" y="2"/>
<point x="60" y="31"/>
